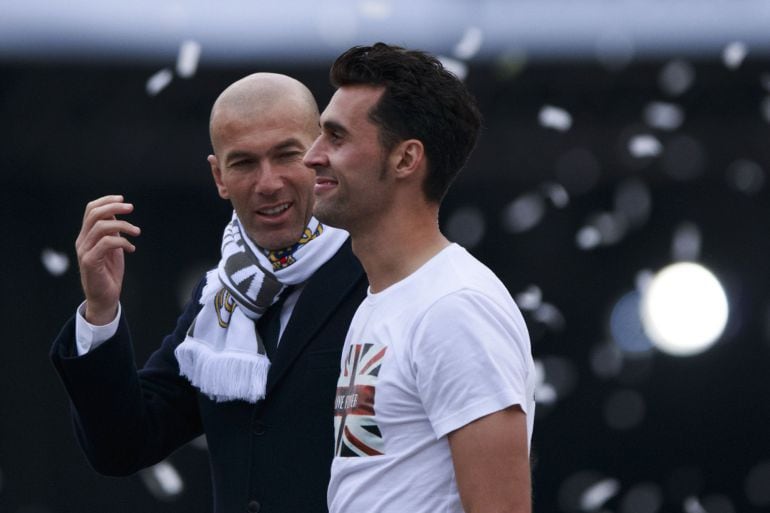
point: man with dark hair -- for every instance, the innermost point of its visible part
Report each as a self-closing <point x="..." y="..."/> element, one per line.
<point x="435" y="400"/>
<point x="253" y="359"/>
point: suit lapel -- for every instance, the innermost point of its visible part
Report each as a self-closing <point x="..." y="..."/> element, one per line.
<point x="318" y="301"/>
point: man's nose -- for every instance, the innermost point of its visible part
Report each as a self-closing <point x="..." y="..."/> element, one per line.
<point x="314" y="156"/>
<point x="269" y="180"/>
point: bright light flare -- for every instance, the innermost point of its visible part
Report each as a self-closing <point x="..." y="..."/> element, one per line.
<point x="684" y="309"/>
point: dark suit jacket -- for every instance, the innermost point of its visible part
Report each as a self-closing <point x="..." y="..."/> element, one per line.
<point x="270" y="457"/>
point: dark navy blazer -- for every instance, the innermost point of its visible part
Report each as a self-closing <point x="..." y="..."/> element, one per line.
<point x="272" y="457"/>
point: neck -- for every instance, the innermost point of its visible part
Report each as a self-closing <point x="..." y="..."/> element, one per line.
<point x="398" y="245"/>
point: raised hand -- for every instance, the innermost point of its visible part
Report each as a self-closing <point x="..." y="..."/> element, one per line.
<point x="100" y="249"/>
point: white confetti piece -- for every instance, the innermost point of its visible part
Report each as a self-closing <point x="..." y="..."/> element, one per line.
<point x="55" y="262"/>
<point x="549" y="315"/>
<point x="523" y="213"/>
<point x="693" y="505"/>
<point x="686" y="242"/>
<point x="530" y="298"/>
<point x="597" y="494"/>
<point x="375" y="9"/>
<point x="663" y="115"/>
<point x="470" y="44"/>
<point x="556" y="193"/>
<point x="159" y="81"/>
<point x="676" y="77"/>
<point x="555" y="117"/>
<point x="588" y="237"/>
<point x="188" y="58"/>
<point x="545" y="394"/>
<point x="645" y="145"/>
<point x="163" y="480"/>
<point x="734" y="54"/>
<point x="454" y="66"/>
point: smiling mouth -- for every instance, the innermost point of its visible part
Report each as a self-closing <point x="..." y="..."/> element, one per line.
<point x="324" y="183"/>
<point x="274" y="211"/>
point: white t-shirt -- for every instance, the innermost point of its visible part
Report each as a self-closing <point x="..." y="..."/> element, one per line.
<point x="424" y="357"/>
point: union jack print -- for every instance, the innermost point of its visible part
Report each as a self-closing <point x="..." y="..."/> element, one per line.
<point x="356" y="432"/>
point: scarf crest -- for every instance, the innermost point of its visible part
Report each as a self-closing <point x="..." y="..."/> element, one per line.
<point x="223" y="354"/>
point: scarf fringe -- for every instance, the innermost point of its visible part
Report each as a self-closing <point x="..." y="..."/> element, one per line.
<point x="220" y="376"/>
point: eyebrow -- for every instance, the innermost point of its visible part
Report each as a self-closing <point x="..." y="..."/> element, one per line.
<point x="289" y="143"/>
<point x="235" y="155"/>
<point x="333" y="126"/>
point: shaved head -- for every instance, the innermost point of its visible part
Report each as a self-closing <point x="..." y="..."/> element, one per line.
<point x="259" y="94"/>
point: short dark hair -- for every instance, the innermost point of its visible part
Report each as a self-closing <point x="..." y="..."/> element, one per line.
<point x="422" y="100"/>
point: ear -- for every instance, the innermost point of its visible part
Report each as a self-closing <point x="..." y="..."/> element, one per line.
<point x="216" y="172"/>
<point x="408" y="158"/>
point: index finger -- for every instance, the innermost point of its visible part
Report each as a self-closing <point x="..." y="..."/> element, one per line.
<point x="104" y="200"/>
<point x="106" y="207"/>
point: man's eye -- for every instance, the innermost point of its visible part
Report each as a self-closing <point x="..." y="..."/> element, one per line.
<point x="288" y="155"/>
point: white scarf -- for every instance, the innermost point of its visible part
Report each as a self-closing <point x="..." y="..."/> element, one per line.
<point x="223" y="354"/>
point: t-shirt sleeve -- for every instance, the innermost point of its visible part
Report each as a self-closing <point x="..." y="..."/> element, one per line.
<point x="471" y="358"/>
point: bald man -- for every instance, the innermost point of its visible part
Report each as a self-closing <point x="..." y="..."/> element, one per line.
<point x="253" y="360"/>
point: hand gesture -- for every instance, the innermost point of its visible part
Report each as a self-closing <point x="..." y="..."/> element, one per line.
<point x="100" y="249"/>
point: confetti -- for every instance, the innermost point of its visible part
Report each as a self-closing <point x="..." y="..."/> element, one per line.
<point x="644" y="145"/>
<point x="606" y="360"/>
<point x="555" y="117"/>
<point x="556" y="193"/>
<point x="734" y="54"/>
<point x="664" y="116"/>
<point x="626" y="325"/>
<point x="676" y="77"/>
<point x="55" y="262"/>
<point x="755" y="485"/>
<point x="162" y="480"/>
<point x="693" y="505"/>
<point x="615" y="50"/>
<point x="188" y="58"/>
<point x="375" y="9"/>
<point x="530" y="299"/>
<point x="746" y="176"/>
<point x="470" y="44"/>
<point x="549" y="315"/>
<point x="597" y="494"/>
<point x="545" y="394"/>
<point x="642" y="498"/>
<point x="523" y="213"/>
<point x="454" y="66"/>
<point x="686" y="242"/>
<point x="588" y="237"/>
<point x="633" y="199"/>
<point x="159" y="81"/>
<point x="610" y="227"/>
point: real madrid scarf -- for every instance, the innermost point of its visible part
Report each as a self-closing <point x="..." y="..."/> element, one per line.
<point x="223" y="354"/>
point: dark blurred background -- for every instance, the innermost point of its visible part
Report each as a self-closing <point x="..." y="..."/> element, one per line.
<point x="620" y="137"/>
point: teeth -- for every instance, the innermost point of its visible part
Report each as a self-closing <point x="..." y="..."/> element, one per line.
<point x="275" y="210"/>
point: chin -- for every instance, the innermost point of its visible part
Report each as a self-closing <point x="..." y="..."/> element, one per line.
<point x="328" y="219"/>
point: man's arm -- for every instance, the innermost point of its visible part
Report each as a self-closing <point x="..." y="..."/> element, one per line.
<point x="491" y="462"/>
<point x="124" y="419"/>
